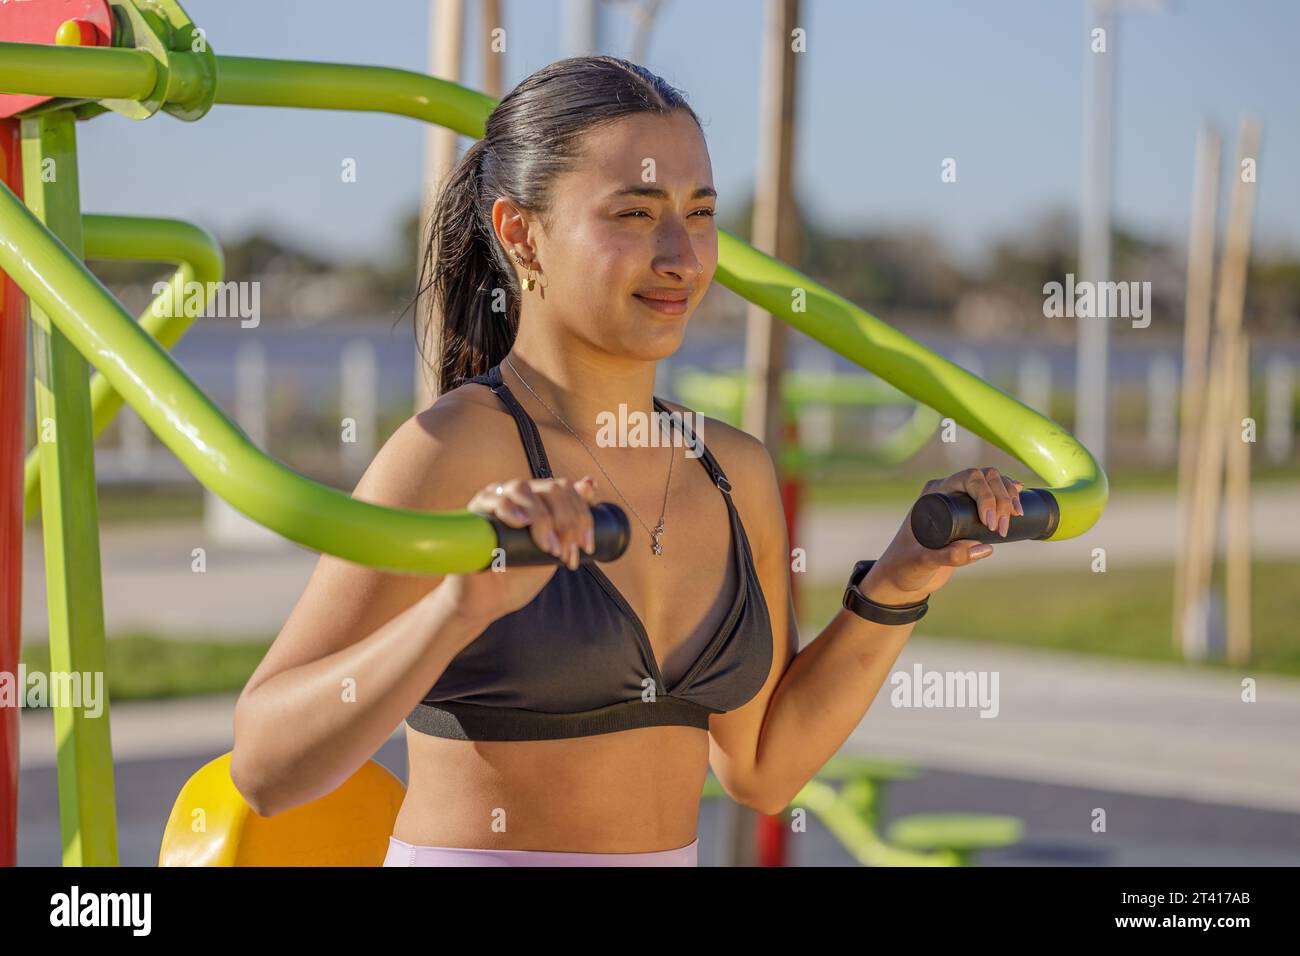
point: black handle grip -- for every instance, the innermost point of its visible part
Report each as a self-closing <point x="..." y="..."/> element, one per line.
<point x="611" y="530"/>
<point x="939" y="519"/>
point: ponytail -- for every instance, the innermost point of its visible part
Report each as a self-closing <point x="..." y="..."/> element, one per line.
<point x="462" y="256"/>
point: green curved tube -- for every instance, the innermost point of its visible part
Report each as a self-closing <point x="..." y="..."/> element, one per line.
<point x="1077" y="481"/>
<point x="1079" y="484"/>
<point x="722" y="395"/>
<point x="215" y="450"/>
<point x="248" y="81"/>
<point x="67" y="71"/>
<point x="145" y="239"/>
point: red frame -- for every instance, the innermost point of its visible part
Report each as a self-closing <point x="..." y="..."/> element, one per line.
<point x="13" y="387"/>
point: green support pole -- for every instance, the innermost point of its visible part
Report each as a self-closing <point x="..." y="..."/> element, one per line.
<point x="70" y="519"/>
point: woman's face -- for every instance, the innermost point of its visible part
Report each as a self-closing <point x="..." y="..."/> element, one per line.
<point x="633" y="243"/>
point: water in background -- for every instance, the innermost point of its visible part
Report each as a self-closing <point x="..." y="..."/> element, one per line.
<point x="309" y="357"/>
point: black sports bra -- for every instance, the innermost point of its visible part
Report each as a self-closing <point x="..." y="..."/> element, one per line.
<point x="577" y="661"/>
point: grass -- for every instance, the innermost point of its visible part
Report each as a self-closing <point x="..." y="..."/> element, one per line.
<point x="1122" y="614"/>
<point x="163" y="503"/>
<point x="838" y="482"/>
<point x="147" y="667"/>
<point x="1125" y="614"/>
<point x="842" y="482"/>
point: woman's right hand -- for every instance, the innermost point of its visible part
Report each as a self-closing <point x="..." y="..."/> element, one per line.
<point x="556" y="512"/>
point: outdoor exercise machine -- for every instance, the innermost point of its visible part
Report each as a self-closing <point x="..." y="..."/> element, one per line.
<point x="67" y="60"/>
<point x="721" y="395"/>
<point x="847" y="795"/>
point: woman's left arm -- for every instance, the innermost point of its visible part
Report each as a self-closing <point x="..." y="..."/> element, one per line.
<point x="764" y="752"/>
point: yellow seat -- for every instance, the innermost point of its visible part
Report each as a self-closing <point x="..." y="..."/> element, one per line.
<point x="212" y="824"/>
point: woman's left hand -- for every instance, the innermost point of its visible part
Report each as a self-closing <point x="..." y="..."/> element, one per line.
<point x="908" y="571"/>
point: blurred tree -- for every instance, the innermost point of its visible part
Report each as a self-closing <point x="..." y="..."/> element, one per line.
<point x="901" y="272"/>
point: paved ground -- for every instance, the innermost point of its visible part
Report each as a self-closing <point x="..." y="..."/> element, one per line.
<point x="1187" y="774"/>
<point x="149" y="582"/>
<point x="1157" y="729"/>
<point x="1143" y="831"/>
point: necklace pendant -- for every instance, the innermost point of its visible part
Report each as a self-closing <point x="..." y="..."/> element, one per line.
<point x="656" y="547"/>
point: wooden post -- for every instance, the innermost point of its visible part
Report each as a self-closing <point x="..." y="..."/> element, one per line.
<point x="773" y="232"/>
<point x="493" y="59"/>
<point x="1196" y="339"/>
<point x="1229" y="306"/>
<point x="773" y="221"/>
<point x="446" y="24"/>
<point x="1238" y="531"/>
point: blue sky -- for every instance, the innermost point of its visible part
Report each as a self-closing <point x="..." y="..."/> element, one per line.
<point x="887" y="91"/>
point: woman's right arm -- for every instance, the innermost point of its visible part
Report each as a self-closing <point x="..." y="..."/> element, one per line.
<point x="361" y="645"/>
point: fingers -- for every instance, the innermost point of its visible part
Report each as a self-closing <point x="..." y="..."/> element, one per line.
<point x="518" y="505"/>
<point x="1013" y="489"/>
<point x="963" y="552"/>
<point x="571" y="519"/>
<point x="979" y="487"/>
<point x="997" y="496"/>
<point x="1002" y="507"/>
<point x="586" y="487"/>
<point x="556" y="511"/>
<point x="495" y="499"/>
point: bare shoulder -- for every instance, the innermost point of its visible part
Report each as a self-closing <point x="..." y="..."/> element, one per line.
<point x="749" y="468"/>
<point x="435" y="461"/>
<point x="440" y="456"/>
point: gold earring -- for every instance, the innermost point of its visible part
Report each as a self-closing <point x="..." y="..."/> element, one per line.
<point x="529" y="281"/>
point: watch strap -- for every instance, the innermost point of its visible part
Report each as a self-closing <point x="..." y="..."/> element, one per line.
<point x="864" y="607"/>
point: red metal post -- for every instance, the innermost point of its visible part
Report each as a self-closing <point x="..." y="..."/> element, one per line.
<point x="13" y="418"/>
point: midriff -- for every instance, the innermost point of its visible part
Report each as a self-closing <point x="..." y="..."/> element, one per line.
<point x="634" y="791"/>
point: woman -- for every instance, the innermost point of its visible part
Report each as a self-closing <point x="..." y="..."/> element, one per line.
<point x="569" y="714"/>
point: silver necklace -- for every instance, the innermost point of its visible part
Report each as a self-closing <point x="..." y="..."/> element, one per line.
<point x="655" y="546"/>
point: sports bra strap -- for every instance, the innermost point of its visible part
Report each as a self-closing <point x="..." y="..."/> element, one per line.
<point x="528" y="432"/>
<point x="715" y="470"/>
<point x="532" y="438"/>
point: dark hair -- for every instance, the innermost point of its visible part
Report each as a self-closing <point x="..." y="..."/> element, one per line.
<point x="530" y="138"/>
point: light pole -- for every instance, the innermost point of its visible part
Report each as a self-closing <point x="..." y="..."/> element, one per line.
<point x="1094" y="216"/>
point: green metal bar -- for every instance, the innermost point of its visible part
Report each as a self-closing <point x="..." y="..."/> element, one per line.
<point x="215" y="450"/>
<point x="1079" y="484"/>
<point x="107" y="72"/>
<point x="247" y="81"/>
<point x="856" y="835"/>
<point x="725" y="390"/>
<point x="722" y="394"/>
<point x="145" y="239"/>
<point x="841" y="812"/>
<point x="69" y="514"/>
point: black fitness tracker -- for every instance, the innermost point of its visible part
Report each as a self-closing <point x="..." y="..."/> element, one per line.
<point x="864" y="607"/>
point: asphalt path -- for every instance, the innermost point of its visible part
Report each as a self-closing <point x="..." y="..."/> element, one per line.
<point x="1142" y="831"/>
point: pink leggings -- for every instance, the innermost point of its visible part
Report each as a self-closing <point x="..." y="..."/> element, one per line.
<point x="408" y="854"/>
